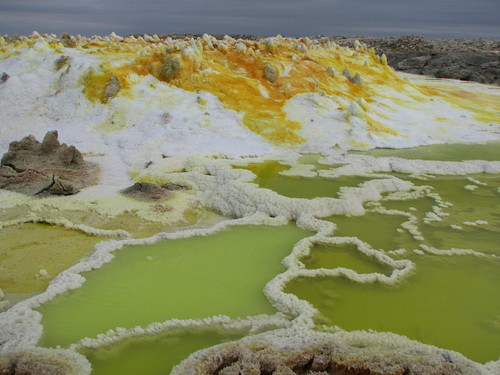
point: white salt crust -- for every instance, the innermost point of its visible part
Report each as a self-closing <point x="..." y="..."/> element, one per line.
<point x="380" y="350"/>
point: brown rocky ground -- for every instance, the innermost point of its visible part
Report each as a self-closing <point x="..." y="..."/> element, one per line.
<point x="475" y="59"/>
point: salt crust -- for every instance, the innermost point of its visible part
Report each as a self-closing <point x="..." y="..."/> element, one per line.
<point x="32" y="218"/>
<point x="56" y="211"/>
<point x="41" y="361"/>
<point x="379" y="352"/>
<point x="252" y="325"/>
<point x="223" y="189"/>
<point x="360" y="164"/>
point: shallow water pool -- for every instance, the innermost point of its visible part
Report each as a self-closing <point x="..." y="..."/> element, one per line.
<point x="191" y="278"/>
<point x="446" y="152"/>
<point x="268" y="176"/>
<point x="28" y="248"/>
<point x="155" y="355"/>
<point x="449" y="302"/>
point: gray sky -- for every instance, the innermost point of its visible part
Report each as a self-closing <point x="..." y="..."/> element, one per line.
<point x="431" y="18"/>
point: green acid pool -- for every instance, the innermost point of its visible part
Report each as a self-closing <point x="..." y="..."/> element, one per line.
<point x="157" y="354"/>
<point x="474" y="215"/>
<point x="190" y="278"/>
<point x="450" y="302"/>
<point x="268" y="176"/>
<point x="26" y="249"/>
<point x="378" y="230"/>
<point x="446" y="152"/>
<point x="347" y="256"/>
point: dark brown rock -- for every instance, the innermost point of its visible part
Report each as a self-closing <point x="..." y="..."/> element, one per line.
<point x="146" y="191"/>
<point x="4" y="77"/>
<point x="61" y="61"/>
<point x="355" y="79"/>
<point x="46" y="168"/>
<point x="176" y="186"/>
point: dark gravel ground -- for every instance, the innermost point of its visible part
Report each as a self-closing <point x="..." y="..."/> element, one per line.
<point x="474" y="59"/>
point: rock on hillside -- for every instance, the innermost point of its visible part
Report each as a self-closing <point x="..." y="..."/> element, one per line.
<point x="46" y="168"/>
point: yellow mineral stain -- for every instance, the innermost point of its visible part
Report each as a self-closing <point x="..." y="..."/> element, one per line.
<point x="94" y="82"/>
<point x="30" y="249"/>
<point x="237" y="78"/>
<point x="234" y="72"/>
<point x="378" y="128"/>
<point x="6" y="53"/>
<point x="483" y="106"/>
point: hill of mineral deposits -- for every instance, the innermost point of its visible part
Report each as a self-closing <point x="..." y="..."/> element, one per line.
<point x="128" y="102"/>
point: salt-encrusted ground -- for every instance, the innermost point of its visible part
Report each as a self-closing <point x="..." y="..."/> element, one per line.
<point x="145" y="109"/>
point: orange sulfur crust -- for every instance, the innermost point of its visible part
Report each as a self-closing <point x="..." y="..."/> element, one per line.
<point x="234" y="72"/>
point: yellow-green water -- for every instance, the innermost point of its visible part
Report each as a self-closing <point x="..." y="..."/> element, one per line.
<point x="482" y="203"/>
<point x="378" y="230"/>
<point x="347" y="256"/>
<point x="268" y="177"/>
<point x="446" y="152"/>
<point x="450" y="302"/>
<point x="154" y="355"/>
<point x="25" y="249"/>
<point x="189" y="278"/>
<point x="448" y="297"/>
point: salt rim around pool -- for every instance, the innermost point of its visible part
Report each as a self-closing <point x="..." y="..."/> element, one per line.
<point x="356" y="351"/>
<point x="224" y="190"/>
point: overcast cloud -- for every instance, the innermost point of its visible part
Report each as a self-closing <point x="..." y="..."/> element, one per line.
<point x="432" y="18"/>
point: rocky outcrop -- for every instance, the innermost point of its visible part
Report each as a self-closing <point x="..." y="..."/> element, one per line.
<point x="468" y="66"/>
<point x="355" y="79"/>
<point x="270" y="73"/>
<point x="67" y="40"/>
<point x="475" y="60"/>
<point x="4" y="77"/>
<point x="46" y="168"/>
<point x="170" y="69"/>
<point x="112" y="88"/>
<point x="146" y="191"/>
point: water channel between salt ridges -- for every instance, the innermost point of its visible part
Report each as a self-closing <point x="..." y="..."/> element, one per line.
<point x="143" y="284"/>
